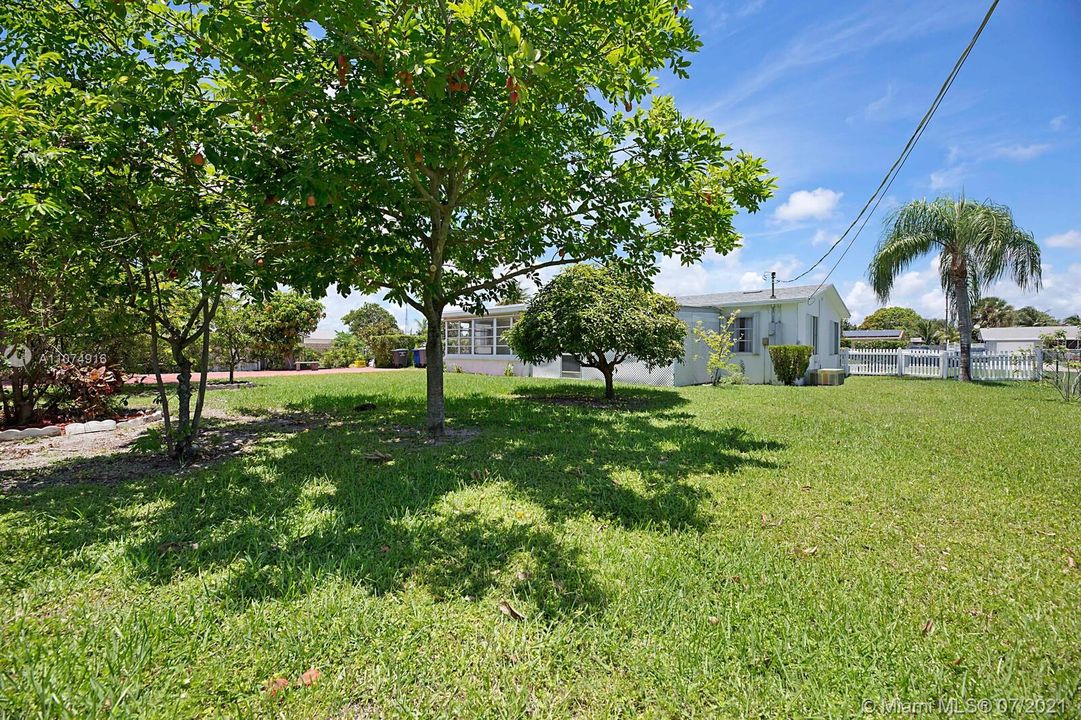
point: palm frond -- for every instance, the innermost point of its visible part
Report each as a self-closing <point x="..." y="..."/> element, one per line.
<point x="911" y="232"/>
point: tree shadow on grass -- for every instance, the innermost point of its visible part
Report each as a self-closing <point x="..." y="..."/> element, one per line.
<point x="357" y="494"/>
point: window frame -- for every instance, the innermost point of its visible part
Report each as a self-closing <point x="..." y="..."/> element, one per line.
<point x="812" y="321"/>
<point x="480" y="337"/>
<point x="744" y="340"/>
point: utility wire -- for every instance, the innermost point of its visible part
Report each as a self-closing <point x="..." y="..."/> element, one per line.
<point x="895" y="169"/>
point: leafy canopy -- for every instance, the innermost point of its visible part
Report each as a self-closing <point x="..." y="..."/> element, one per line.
<point x="436" y="149"/>
<point x="278" y="325"/>
<point x="893" y="318"/>
<point x="370" y="319"/>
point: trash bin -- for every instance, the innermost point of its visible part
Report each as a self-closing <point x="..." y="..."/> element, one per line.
<point x="399" y="357"/>
<point x="420" y="357"/>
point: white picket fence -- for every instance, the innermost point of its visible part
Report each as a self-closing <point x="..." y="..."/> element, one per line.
<point x="941" y="364"/>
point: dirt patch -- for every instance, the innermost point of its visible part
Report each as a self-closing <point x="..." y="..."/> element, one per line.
<point x="125" y="455"/>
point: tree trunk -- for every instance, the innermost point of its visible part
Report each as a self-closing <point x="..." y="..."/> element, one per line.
<point x="232" y="367"/>
<point x="433" y="349"/>
<point x="964" y="324"/>
<point x="609" y="389"/>
<point x="182" y="440"/>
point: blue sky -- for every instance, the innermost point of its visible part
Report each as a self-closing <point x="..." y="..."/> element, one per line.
<point x="829" y="92"/>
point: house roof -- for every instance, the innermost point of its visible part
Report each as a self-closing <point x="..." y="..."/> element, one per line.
<point x="488" y="310"/>
<point x="874" y="334"/>
<point x="784" y="293"/>
<point x="1027" y="334"/>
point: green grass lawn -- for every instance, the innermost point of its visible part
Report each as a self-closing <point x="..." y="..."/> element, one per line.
<point x="745" y="551"/>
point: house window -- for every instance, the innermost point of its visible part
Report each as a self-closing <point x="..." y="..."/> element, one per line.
<point x="812" y="321"/>
<point x="502" y="325"/>
<point x="836" y="345"/>
<point x="479" y="336"/>
<point x="745" y="335"/>
<point x="484" y="337"/>
<point x="570" y="367"/>
<point x="459" y="337"/>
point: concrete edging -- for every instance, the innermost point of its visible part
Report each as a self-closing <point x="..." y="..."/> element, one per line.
<point x="92" y="426"/>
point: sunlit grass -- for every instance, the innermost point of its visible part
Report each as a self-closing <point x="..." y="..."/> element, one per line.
<point x="746" y="551"/>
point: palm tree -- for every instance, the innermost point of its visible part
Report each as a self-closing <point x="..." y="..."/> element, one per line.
<point x="977" y="244"/>
<point x="928" y="329"/>
<point x="992" y="312"/>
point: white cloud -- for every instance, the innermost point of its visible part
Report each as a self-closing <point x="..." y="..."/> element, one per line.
<point x="823" y="237"/>
<point x="876" y="108"/>
<point x="817" y="204"/>
<point x="1068" y="239"/>
<point x="1021" y="153"/>
<point x="1058" y="122"/>
<point x="951" y="177"/>
<point x="720" y="273"/>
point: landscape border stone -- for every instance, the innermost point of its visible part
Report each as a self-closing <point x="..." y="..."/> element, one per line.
<point x="92" y="426"/>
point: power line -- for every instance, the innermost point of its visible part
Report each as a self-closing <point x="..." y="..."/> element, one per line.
<point x="895" y="169"/>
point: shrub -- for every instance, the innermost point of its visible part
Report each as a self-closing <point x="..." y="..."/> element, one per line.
<point x="86" y="393"/>
<point x="383" y="345"/>
<point x="790" y="361"/>
<point x="875" y="344"/>
<point x="344" y="351"/>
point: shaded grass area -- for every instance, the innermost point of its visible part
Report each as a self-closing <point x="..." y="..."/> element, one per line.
<point x="760" y="551"/>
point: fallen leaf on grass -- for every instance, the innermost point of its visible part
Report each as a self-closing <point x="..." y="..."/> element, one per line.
<point x="309" y="677"/>
<point x="805" y="488"/>
<point x="809" y="550"/>
<point x="384" y="549"/>
<point x="523" y="575"/>
<point x="768" y="522"/>
<point x="714" y="620"/>
<point x="275" y="685"/>
<point x="1071" y="563"/>
<point x="928" y="627"/>
<point x="507" y="609"/>
<point x="378" y="457"/>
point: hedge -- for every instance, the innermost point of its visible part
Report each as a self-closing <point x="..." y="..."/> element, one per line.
<point x="790" y="361"/>
<point x="383" y="345"/>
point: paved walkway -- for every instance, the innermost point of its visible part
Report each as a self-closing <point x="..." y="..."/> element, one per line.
<point x="256" y="374"/>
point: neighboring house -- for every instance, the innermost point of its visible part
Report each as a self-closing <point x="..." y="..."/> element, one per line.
<point x="790" y="316"/>
<point x="1013" y="339"/>
<point x="858" y="336"/>
<point x="318" y="341"/>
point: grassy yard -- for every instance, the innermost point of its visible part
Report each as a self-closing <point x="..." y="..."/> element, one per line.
<point x="747" y="551"/>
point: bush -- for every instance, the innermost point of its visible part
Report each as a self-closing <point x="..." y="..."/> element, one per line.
<point x="875" y="344"/>
<point x="344" y="351"/>
<point x="87" y="393"/>
<point x="790" y="361"/>
<point x="382" y="345"/>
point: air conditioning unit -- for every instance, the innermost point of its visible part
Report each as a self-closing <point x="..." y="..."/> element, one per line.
<point x="830" y="376"/>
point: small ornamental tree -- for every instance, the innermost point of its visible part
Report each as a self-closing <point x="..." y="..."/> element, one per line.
<point x="600" y="317"/>
<point x="370" y="319"/>
<point x="893" y="318"/>
<point x="278" y="325"/>
<point x="230" y="336"/>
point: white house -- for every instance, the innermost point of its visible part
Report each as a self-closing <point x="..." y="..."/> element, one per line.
<point x="801" y="315"/>
<point x="1012" y="339"/>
